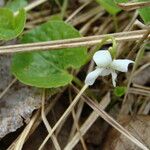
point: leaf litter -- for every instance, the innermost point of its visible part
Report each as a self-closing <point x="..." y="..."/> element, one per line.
<point x="17" y="105"/>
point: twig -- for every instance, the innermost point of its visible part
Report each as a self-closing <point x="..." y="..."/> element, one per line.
<point x="46" y="123"/>
<point x="69" y="43"/>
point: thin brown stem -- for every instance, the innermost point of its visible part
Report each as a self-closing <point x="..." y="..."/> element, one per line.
<point x="69" y="43"/>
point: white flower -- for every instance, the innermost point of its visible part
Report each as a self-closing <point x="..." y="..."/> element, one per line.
<point x="106" y="66"/>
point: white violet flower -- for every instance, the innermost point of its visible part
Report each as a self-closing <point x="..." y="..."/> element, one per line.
<point x="106" y="66"/>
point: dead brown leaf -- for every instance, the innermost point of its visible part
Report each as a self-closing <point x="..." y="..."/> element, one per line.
<point x="142" y="77"/>
<point x="139" y="126"/>
<point x="17" y="105"/>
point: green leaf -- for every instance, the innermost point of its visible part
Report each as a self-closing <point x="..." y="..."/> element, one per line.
<point x="11" y="25"/>
<point x="111" y="6"/>
<point x="49" y="68"/>
<point x="145" y="13"/>
<point x="15" y="5"/>
<point x="119" y="91"/>
<point x="56" y="17"/>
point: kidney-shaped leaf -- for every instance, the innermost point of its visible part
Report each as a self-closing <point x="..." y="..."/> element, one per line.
<point x="11" y="25"/>
<point x="48" y="69"/>
<point x="110" y="5"/>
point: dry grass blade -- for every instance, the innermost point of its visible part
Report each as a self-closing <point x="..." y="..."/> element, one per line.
<point x="46" y="123"/>
<point x="77" y="11"/>
<point x="143" y="39"/>
<point x="114" y="123"/>
<point x="140" y="91"/>
<point x="7" y="88"/>
<point x="86" y="16"/>
<point x="24" y="134"/>
<point x="141" y="50"/>
<point x="38" y="121"/>
<point x="34" y="4"/>
<point x="76" y="124"/>
<point x="134" y="5"/>
<point x="78" y="114"/>
<point x="69" y="43"/>
<point x="88" y="123"/>
<point x="66" y="113"/>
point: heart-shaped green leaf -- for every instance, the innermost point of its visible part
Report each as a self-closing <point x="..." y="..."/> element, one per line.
<point x="11" y="25"/>
<point x="48" y="69"/>
<point x="145" y="13"/>
<point x="111" y="6"/>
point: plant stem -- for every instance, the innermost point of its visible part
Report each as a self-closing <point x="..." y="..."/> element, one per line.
<point x="115" y="22"/>
<point x="63" y="9"/>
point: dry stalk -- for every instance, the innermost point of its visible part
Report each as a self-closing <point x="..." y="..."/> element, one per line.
<point x="141" y="50"/>
<point x="66" y="113"/>
<point x="145" y="108"/>
<point x="86" y="26"/>
<point x="88" y="123"/>
<point x="46" y="123"/>
<point x="69" y="43"/>
<point x="7" y="88"/>
<point x="85" y="16"/>
<point x="35" y="15"/>
<point x="38" y="121"/>
<point x="122" y="46"/>
<point x="140" y="42"/>
<point x="34" y="4"/>
<point x="20" y="142"/>
<point x="77" y="11"/>
<point x="134" y="5"/>
<point x="78" y="113"/>
<point x="141" y="87"/>
<point x="140" y="91"/>
<point x="114" y="123"/>
<point x="76" y="123"/>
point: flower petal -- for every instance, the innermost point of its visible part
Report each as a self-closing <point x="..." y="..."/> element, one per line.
<point x="102" y="58"/>
<point x="105" y="72"/>
<point x="121" y="64"/>
<point x="91" y="77"/>
<point x="114" y="77"/>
